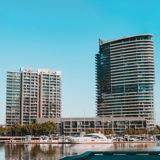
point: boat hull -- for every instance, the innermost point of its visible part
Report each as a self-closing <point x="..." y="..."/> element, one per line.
<point x="91" y="142"/>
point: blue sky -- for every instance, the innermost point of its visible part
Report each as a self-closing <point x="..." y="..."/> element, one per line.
<point x="63" y="35"/>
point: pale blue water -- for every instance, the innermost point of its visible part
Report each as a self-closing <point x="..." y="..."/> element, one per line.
<point x="55" y="152"/>
<point x="2" y="152"/>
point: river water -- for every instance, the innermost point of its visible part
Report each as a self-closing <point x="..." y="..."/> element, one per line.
<point x="55" y="151"/>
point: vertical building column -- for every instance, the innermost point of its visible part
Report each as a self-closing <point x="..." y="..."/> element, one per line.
<point x="21" y="99"/>
<point x="40" y="95"/>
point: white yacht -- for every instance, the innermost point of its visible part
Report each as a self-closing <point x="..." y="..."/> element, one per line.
<point x="92" y="138"/>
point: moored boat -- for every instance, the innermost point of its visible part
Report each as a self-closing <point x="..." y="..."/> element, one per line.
<point x="91" y="138"/>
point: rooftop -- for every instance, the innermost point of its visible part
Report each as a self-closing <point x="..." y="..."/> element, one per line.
<point x="101" y="42"/>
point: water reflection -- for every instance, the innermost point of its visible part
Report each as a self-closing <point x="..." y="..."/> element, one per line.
<point x="55" y="151"/>
<point x="29" y="152"/>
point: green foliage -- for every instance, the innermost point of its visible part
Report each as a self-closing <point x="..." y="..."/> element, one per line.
<point x="108" y="131"/>
<point x="3" y="131"/>
<point x="46" y="128"/>
<point x="133" y="131"/>
<point x="88" y="131"/>
<point x="155" y="130"/>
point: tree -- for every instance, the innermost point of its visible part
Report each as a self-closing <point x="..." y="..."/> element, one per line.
<point x="3" y="131"/>
<point x="30" y="129"/>
<point x="90" y="131"/>
<point x="133" y="131"/>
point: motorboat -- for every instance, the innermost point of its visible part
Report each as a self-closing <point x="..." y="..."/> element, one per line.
<point x="43" y="139"/>
<point x="54" y="140"/>
<point x="91" y="138"/>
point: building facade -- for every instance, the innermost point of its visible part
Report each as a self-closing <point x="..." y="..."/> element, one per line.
<point x="50" y="94"/>
<point x="125" y="78"/>
<point x="31" y="95"/>
<point x="13" y="98"/>
<point x="76" y="126"/>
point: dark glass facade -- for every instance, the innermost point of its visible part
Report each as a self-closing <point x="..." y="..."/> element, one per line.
<point x="125" y="78"/>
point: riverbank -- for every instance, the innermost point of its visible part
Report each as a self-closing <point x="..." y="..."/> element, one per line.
<point x="65" y="142"/>
<point x="36" y="140"/>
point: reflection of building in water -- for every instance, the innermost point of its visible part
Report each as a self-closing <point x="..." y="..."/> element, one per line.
<point x="78" y="149"/>
<point x="19" y="152"/>
<point x="16" y="152"/>
<point x="81" y="148"/>
<point x="27" y="147"/>
<point x="71" y="126"/>
<point x="133" y="146"/>
<point x="44" y="147"/>
<point x="30" y="152"/>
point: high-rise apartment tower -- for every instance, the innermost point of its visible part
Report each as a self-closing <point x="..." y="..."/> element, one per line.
<point x="125" y="78"/>
<point x="31" y="95"/>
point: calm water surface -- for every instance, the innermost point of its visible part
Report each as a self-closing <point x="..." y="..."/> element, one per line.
<point x="55" y="152"/>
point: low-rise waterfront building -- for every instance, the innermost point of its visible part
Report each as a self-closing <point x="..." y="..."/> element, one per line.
<point x="75" y="126"/>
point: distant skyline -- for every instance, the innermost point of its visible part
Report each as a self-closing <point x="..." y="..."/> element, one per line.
<point x="63" y="35"/>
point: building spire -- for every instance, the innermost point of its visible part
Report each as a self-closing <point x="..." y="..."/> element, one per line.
<point x="100" y="41"/>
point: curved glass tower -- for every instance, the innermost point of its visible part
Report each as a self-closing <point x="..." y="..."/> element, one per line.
<point x="125" y="78"/>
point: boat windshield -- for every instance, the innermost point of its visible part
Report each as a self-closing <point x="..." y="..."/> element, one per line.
<point x="44" y="137"/>
<point x="158" y="137"/>
<point x="93" y="136"/>
<point x="109" y="137"/>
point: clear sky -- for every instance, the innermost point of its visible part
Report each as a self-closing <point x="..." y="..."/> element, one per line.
<point x="63" y="35"/>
